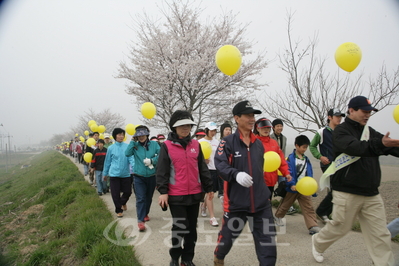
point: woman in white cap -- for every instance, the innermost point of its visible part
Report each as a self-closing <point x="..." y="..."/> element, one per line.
<point x="181" y="175"/>
<point x="210" y="131"/>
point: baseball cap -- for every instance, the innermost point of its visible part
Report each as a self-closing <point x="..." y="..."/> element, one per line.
<point x="106" y="135"/>
<point x="160" y="136"/>
<point x="245" y="107"/>
<point x="362" y="103"/>
<point x="335" y="112"/>
<point x="211" y="125"/>
<point x="141" y="132"/>
<point x="263" y="122"/>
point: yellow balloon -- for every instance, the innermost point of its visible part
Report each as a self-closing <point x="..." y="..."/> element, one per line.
<point x="101" y="136"/>
<point x="91" y="122"/>
<point x="82" y="139"/>
<point x="101" y="129"/>
<point x="94" y="127"/>
<point x="348" y="56"/>
<point x="130" y="129"/>
<point x="272" y="161"/>
<point x="206" y="149"/>
<point x="87" y="157"/>
<point x="396" y="113"/>
<point x="91" y="142"/>
<point x="228" y="59"/>
<point x="76" y="134"/>
<point x="307" y="186"/>
<point x="148" y="110"/>
<point x="86" y="132"/>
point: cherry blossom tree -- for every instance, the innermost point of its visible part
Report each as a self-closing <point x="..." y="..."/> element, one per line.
<point x="173" y="65"/>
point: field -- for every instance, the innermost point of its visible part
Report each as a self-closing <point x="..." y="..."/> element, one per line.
<point x="50" y="216"/>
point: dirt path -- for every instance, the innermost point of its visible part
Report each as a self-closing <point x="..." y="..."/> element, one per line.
<point x="293" y="248"/>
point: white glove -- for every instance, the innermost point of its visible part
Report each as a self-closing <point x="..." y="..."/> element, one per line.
<point x="244" y="179"/>
<point x="151" y="166"/>
<point x="147" y="161"/>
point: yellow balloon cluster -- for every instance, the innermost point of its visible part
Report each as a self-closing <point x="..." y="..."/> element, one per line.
<point x="272" y="161"/>
<point x="130" y="129"/>
<point x="148" y="110"/>
<point x="206" y="149"/>
<point x="348" y="56"/>
<point x="307" y="186"/>
<point x="87" y="157"/>
<point x="228" y="59"/>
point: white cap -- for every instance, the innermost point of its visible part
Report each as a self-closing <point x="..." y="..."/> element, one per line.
<point x="182" y="122"/>
<point x="211" y="125"/>
<point x="106" y="135"/>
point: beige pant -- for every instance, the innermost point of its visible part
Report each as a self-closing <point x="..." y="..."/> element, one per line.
<point x="306" y="206"/>
<point x="371" y="214"/>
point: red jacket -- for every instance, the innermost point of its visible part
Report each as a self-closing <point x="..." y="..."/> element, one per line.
<point x="271" y="145"/>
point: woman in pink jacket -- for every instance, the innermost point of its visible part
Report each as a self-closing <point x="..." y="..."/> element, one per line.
<point x="181" y="175"/>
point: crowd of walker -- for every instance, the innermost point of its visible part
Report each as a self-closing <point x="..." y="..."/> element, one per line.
<point x="176" y="167"/>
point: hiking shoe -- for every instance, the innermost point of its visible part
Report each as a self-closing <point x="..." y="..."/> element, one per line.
<point x="203" y="210"/>
<point x="124" y="207"/>
<point x="146" y="218"/>
<point x="218" y="262"/>
<point x="213" y="221"/>
<point x="316" y="255"/>
<point x="323" y="218"/>
<point x="313" y="230"/>
<point x="279" y="221"/>
<point x="141" y="226"/>
<point x="119" y="215"/>
<point x="187" y="263"/>
<point x="292" y="210"/>
<point x="174" y="263"/>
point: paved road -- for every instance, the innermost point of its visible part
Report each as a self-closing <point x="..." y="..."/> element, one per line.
<point x="294" y="242"/>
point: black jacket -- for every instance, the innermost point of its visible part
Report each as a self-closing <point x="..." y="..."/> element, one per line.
<point x="362" y="177"/>
<point x="234" y="156"/>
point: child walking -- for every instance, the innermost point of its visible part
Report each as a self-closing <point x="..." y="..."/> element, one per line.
<point x="299" y="167"/>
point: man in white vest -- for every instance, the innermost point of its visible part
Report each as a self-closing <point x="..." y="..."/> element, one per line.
<point x="357" y="176"/>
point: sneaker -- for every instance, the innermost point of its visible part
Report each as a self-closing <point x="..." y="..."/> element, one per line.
<point x="119" y="215"/>
<point x="146" y="218"/>
<point x="292" y="210"/>
<point x="187" y="263"/>
<point x="100" y="193"/>
<point x="174" y="263"/>
<point x="141" y="226"/>
<point x="213" y="221"/>
<point x="316" y="255"/>
<point x="203" y="210"/>
<point x="124" y="207"/>
<point x="313" y="230"/>
<point x="279" y="221"/>
<point x="323" y="218"/>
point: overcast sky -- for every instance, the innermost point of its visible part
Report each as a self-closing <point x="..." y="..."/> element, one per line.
<point x="59" y="58"/>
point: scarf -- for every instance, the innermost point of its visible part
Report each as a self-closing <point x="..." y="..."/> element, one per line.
<point x="175" y="138"/>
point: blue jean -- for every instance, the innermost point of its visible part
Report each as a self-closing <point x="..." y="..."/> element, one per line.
<point x="393" y="227"/>
<point x="86" y="168"/>
<point x="144" y="188"/>
<point x="101" y="185"/>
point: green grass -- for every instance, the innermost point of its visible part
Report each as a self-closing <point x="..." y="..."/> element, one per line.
<point x="50" y="216"/>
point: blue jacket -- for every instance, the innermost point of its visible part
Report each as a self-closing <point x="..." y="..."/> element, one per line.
<point x="140" y="152"/>
<point x="234" y="156"/>
<point x="294" y="174"/>
<point x="116" y="163"/>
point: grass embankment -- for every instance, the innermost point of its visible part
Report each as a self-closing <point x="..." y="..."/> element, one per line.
<point x="50" y="216"/>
